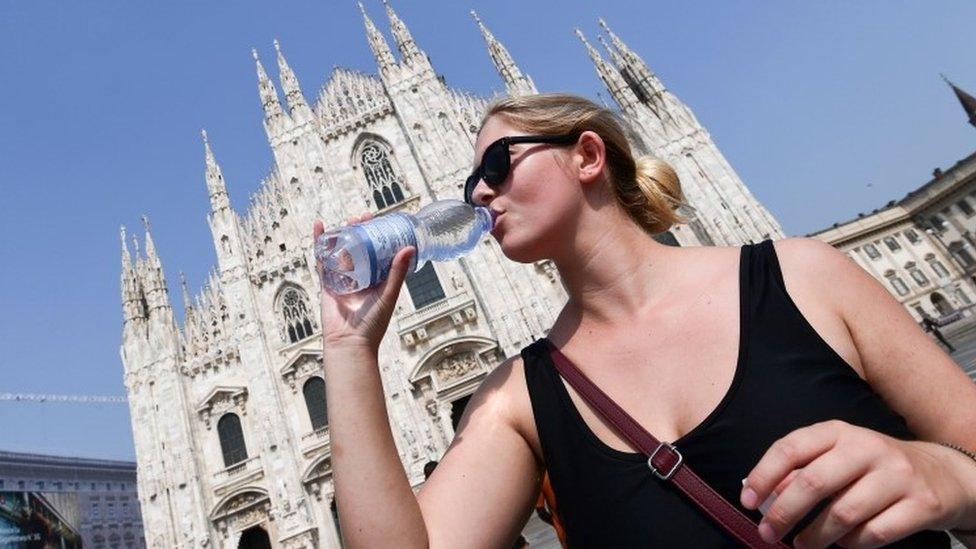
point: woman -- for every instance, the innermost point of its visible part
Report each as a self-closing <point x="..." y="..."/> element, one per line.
<point x="785" y="364"/>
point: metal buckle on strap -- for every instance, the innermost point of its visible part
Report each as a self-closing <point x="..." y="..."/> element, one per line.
<point x="674" y="468"/>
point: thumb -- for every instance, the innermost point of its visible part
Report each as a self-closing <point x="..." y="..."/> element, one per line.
<point x="398" y="272"/>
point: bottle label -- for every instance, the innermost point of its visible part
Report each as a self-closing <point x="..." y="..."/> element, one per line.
<point x="383" y="237"/>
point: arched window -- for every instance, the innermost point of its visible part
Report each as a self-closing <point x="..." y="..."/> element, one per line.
<point x="314" y="391"/>
<point x="383" y="181"/>
<point x="231" y="439"/>
<point x="294" y="310"/>
<point x="424" y="287"/>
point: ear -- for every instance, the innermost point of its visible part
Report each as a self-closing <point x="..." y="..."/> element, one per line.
<point x="590" y="155"/>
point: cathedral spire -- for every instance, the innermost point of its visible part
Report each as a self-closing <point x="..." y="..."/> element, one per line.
<point x="612" y="79"/>
<point x="187" y="304"/>
<point x="377" y="43"/>
<point x="967" y="101"/>
<point x="150" y="245"/>
<point x="645" y="84"/>
<point x="126" y="258"/>
<point x="215" y="178"/>
<point x="274" y="117"/>
<point x="154" y="280"/>
<point x="293" y="91"/>
<point x="132" y="307"/>
<point x="409" y="51"/>
<point x="516" y="82"/>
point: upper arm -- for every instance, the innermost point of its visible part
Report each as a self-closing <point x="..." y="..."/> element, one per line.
<point x="485" y="486"/>
<point x="904" y="365"/>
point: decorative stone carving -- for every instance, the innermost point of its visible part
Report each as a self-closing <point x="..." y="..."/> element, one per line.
<point x="221" y="400"/>
<point x="301" y="367"/>
<point x="456" y="367"/>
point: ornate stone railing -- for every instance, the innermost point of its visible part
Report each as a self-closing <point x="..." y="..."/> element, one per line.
<point x="238" y="470"/>
<point x="412" y="327"/>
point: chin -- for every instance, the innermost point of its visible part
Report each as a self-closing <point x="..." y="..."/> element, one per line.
<point x="521" y="252"/>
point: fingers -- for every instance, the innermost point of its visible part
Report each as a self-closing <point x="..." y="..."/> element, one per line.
<point x="398" y="272"/>
<point x="854" y="506"/>
<point x="888" y="526"/>
<point x="817" y="481"/>
<point x="793" y="451"/>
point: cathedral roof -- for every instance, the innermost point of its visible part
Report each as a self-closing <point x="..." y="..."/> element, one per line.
<point x="349" y="96"/>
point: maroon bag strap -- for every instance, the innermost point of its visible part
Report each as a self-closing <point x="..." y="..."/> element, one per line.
<point x="664" y="460"/>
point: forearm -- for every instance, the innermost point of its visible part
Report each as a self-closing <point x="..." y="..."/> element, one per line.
<point x="377" y="507"/>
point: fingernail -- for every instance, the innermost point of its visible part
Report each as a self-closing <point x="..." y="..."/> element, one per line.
<point x="749" y="498"/>
<point x="766" y="532"/>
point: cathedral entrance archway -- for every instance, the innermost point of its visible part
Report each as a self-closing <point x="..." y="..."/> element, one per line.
<point x="254" y="538"/>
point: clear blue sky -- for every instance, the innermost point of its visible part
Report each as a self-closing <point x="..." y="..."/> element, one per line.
<point x="824" y="108"/>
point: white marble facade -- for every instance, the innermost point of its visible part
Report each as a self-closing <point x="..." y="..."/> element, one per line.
<point x="248" y="350"/>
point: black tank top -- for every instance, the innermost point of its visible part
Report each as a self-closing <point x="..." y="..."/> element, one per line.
<point x="786" y="377"/>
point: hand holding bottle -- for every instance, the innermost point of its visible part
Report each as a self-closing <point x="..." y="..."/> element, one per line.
<point x="361" y="318"/>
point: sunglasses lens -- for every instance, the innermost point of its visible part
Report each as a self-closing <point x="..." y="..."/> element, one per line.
<point x="469" y="186"/>
<point x="495" y="165"/>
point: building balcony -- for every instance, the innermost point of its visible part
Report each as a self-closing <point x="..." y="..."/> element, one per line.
<point x="315" y="441"/>
<point x="242" y="472"/>
<point x="413" y="327"/>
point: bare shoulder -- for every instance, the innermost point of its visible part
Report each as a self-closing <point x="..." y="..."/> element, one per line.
<point x="507" y="382"/>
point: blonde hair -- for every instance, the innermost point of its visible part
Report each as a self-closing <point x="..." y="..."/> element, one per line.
<point x="646" y="188"/>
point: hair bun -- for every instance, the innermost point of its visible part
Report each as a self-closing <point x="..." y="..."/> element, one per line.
<point x="659" y="184"/>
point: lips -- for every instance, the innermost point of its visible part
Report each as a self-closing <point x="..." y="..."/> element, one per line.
<point x="496" y="216"/>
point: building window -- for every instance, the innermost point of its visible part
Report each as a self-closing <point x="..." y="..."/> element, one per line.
<point x="383" y="181"/>
<point x="871" y="251"/>
<point x="294" y="310"/>
<point x="939" y="268"/>
<point x="938" y="222"/>
<point x="965" y="207"/>
<point x="95" y="513"/>
<point x="919" y="277"/>
<point x="231" y="439"/>
<point x="912" y="236"/>
<point x="891" y="243"/>
<point x="424" y="287"/>
<point x="314" y="391"/>
<point x="964" y="257"/>
<point x="899" y="285"/>
<point x="963" y="298"/>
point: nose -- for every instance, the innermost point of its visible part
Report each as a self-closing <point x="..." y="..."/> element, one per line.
<point x="482" y="194"/>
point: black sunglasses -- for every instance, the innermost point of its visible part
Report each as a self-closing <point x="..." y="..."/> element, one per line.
<point x="497" y="161"/>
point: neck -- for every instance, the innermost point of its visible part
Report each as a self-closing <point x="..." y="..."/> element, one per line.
<point x="613" y="272"/>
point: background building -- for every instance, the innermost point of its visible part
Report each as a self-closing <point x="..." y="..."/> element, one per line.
<point x="922" y="248"/>
<point x="228" y="406"/>
<point x="91" y="497"/>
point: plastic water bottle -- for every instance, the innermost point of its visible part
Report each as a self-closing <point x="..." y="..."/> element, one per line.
<point x="359" y="256"/>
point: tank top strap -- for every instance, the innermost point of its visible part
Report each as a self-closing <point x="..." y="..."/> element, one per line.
<point x="766" y="300"/>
